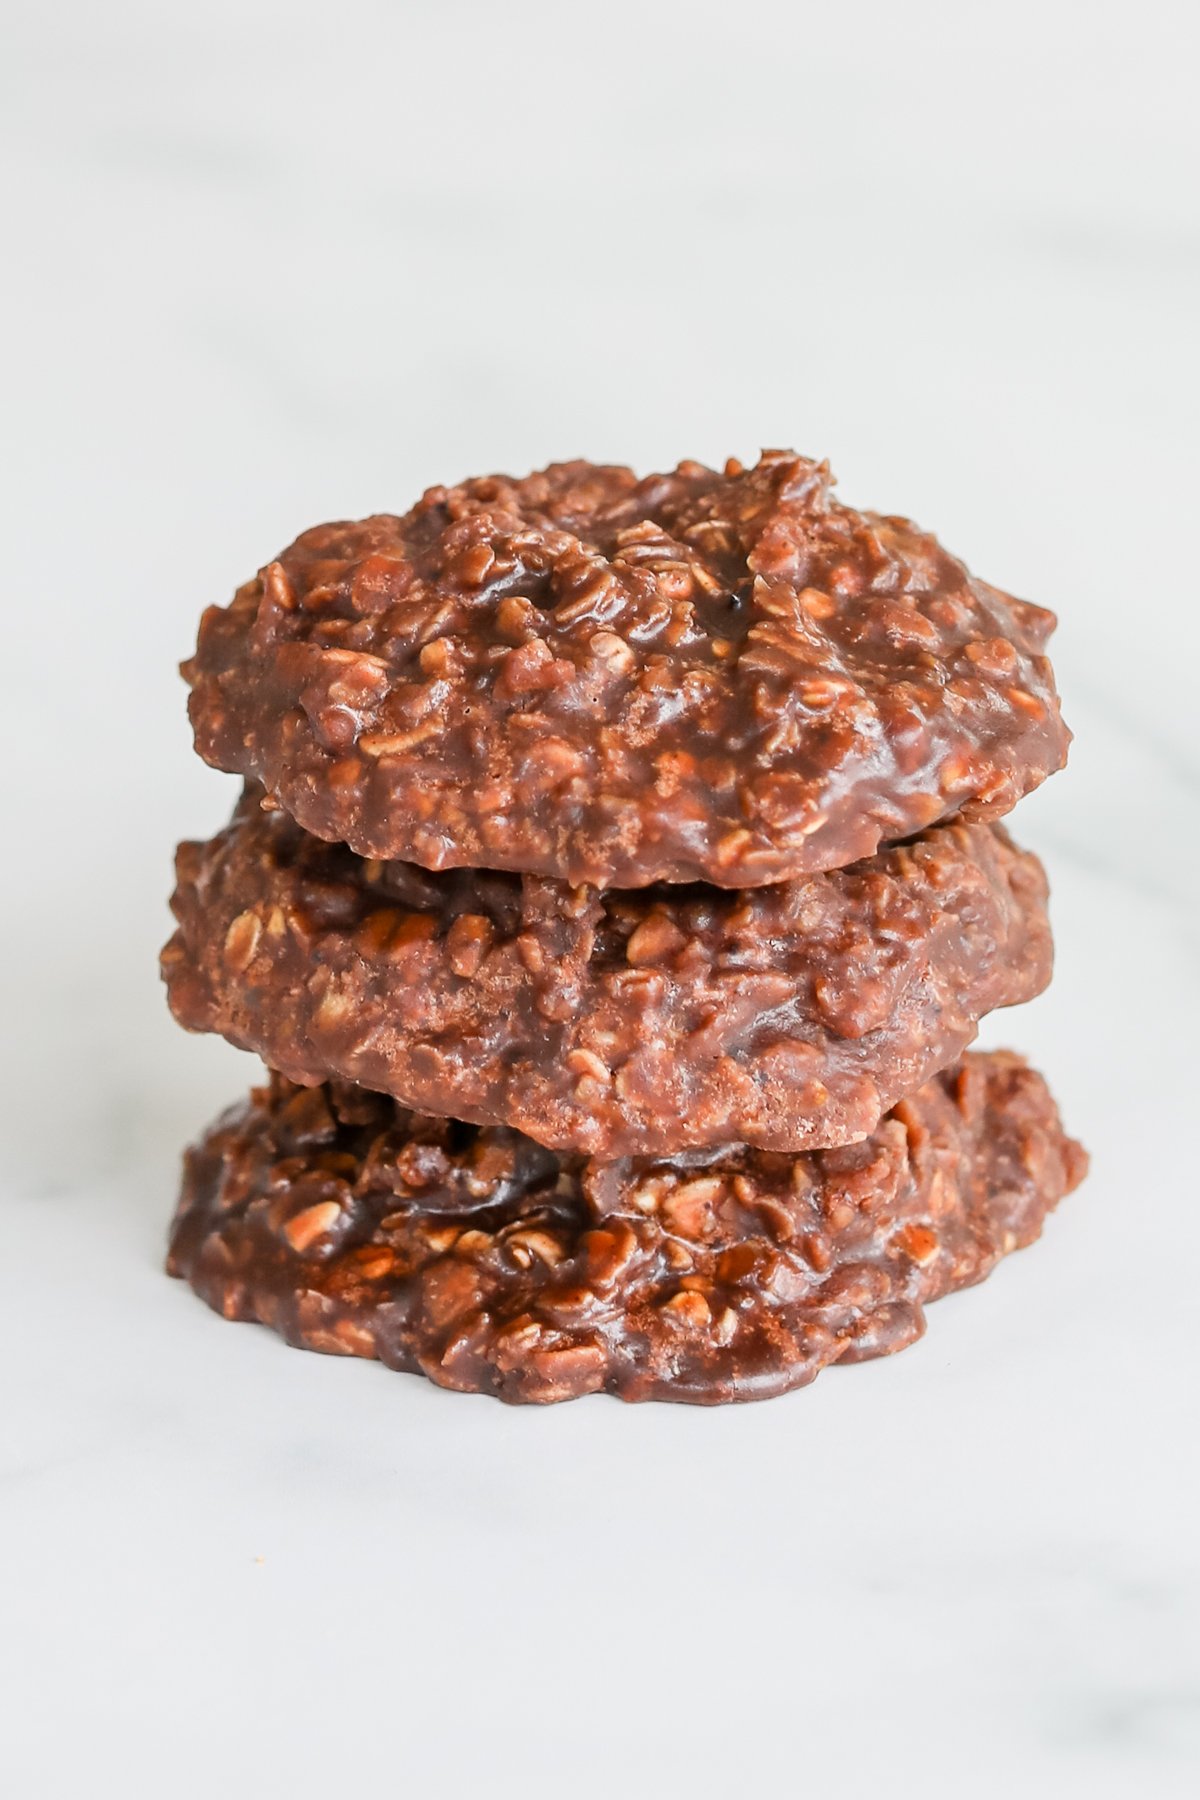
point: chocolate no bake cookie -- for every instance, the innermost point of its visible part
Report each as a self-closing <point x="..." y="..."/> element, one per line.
<point x="619" y="1023"/>
<point x="719" y="676"/>
<point x="645" y="828"/>
<point x="490" y="1263"/>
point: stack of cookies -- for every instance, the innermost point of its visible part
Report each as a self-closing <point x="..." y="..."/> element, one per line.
<point x="614" y="894"/>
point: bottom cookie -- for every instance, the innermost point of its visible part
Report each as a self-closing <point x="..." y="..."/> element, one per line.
<point x="490" y="1264"/>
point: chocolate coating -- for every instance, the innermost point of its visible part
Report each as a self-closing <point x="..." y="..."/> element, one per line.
<point x="728" y="677"/>
<point x="491" y="1264"/>
<point x="635" y="1022"/>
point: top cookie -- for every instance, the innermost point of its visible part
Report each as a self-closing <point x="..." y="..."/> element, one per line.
<point x="725" y="677"/>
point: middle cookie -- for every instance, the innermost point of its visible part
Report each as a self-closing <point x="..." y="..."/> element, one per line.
<point x="619" y="1023"/>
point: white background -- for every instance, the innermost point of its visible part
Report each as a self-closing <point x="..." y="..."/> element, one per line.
<point x="273" y="263"/>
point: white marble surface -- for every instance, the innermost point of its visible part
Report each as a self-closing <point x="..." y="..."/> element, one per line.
<point x="271" y="263"/>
